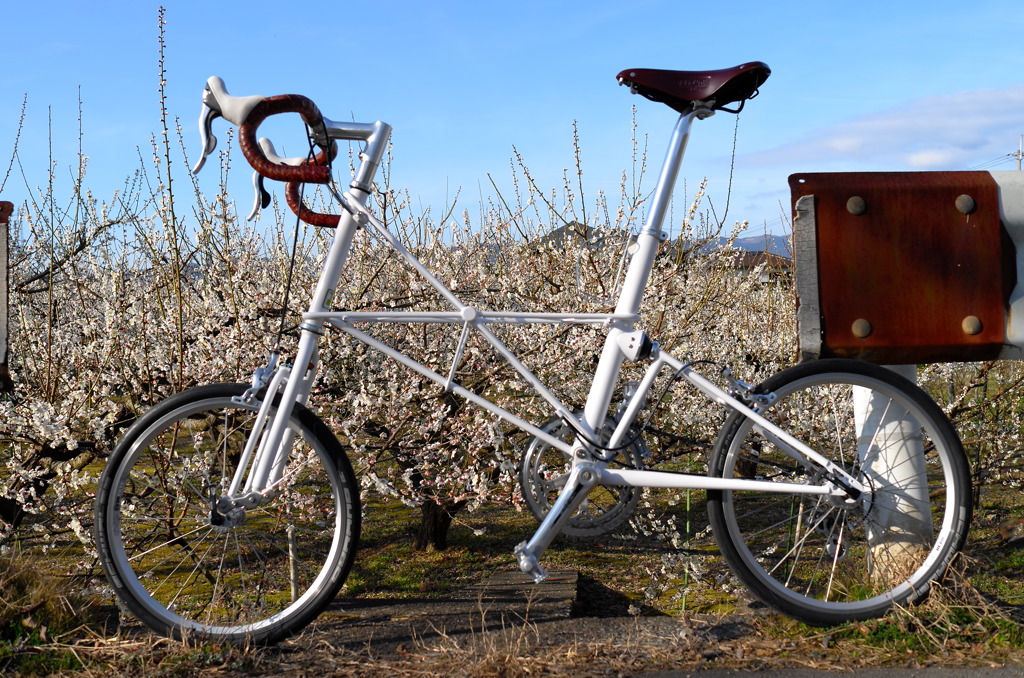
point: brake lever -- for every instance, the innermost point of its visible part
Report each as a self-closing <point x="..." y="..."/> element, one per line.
<point x="206" y="137"/>
<point x="262" y="200"/>
<point x="217" y="103"/>
<point x="262" y="196"/>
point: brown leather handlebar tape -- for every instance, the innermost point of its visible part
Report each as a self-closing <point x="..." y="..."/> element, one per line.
<point x="294" y="198"/>
<point x="293" y="195"/>
<point x="283" y="103"/>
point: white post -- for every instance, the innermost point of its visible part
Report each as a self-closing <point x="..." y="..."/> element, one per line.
<point x="891" y="452"/>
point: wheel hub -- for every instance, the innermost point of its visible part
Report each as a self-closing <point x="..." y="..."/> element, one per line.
<point x="225" y="516"/>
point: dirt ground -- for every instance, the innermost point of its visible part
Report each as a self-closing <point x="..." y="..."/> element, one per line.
<point x="566" y="626"/>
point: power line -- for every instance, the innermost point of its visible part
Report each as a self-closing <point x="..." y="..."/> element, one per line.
<point x="1017" y="155"/>
<point x="994" y="162"/>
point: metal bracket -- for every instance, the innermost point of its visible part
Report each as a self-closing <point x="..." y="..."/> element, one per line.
<point x="744" y="392"/>
<point x="808" y="304"/>
<point x="635" y="345"/>
<point x="261" y="376"/>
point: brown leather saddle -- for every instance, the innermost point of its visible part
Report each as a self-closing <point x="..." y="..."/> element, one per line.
<point x="683" y="90"/>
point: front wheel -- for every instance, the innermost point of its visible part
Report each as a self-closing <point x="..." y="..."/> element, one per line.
<point x="189" y="565"/>
<point x="826" y="560"/>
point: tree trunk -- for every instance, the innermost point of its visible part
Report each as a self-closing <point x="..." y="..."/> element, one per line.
<point x="11" y="512"/>
<point x="45" y="465"/>
<point x="435" y="520"/>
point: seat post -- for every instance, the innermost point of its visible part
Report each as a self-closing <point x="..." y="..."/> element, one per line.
<point x="650" y="236"/>
<point x="648" y="241"/>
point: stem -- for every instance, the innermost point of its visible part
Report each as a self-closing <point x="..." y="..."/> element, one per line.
<point x="49" y="388"/>
<point x="171" y="222"/>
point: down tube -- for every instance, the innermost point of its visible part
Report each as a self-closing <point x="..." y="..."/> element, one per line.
<point x="477" y="400"/>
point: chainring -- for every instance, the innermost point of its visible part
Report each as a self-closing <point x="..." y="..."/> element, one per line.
<point x="543" y="471"/>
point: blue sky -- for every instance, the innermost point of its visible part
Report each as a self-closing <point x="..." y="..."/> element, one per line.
<point x="897" y="85"/>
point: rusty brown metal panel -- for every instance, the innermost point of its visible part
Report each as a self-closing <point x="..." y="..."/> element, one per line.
<point x="912" y="267"/>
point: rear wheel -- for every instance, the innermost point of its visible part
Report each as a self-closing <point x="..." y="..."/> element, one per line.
<point x="827" y="560"/>
<point x="188" y="563"/>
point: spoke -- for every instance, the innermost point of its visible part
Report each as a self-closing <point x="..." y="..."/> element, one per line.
<point x="299" y="465"/>
<point x="837" y="418"/>
<point x="224" y="447"/>
<point x="276" y="542"/>
<point x="812" y="576"/>
<point x="169" y="542"/>
<point x="143" y="481"/>
<point x="835" y="561"/>
<point x="196" y="491"/>
<point x="217" y="580"/>
<point x="146" y="519"/>
<point x="787" y="472"/>
<point x="200" y="568"/>
<point x="801" y="540"/>
<point x="773" y="526"/>
<point x="158" y="564"/>
<point x="243" y="586"/>
<point x="191" y="576"/>
<point x="797" y="544"/>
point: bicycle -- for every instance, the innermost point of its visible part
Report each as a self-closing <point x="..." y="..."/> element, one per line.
<point x="836" y="489"/>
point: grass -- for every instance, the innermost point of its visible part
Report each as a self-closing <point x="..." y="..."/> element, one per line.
<point x="974" y="618"/>
<point x="36" y="608"/>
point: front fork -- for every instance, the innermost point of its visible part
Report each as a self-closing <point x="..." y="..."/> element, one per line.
<point x="263" y="460"/>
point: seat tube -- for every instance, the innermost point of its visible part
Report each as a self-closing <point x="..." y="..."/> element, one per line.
<point x="639" y="271"/>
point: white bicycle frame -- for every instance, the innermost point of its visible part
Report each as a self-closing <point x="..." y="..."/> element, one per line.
<point x="262" y="465"/>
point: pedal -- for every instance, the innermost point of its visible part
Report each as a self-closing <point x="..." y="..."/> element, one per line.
<point x="528" y="563"/>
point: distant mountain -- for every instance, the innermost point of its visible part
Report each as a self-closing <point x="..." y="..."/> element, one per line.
<point x="773" y="244"/>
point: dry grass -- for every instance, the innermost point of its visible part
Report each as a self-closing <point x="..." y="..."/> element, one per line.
<point x="961" y="623"/>
<point x="525" y="651"/>
<point x="955" y="626"/>
<point x="37" y="604"/>
<point x="37" y="610"/>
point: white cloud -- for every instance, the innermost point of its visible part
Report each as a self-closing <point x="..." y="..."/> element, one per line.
<point x="950" y="132"/>
<point x="931" y="159"/>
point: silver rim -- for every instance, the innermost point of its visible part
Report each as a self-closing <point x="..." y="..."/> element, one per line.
<point x="822" y="556"/>
<point x="252" y="571"/>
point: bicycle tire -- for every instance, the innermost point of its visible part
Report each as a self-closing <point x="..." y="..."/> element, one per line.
<point x="184" y="569"/>
<point x="816" y="558"/>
